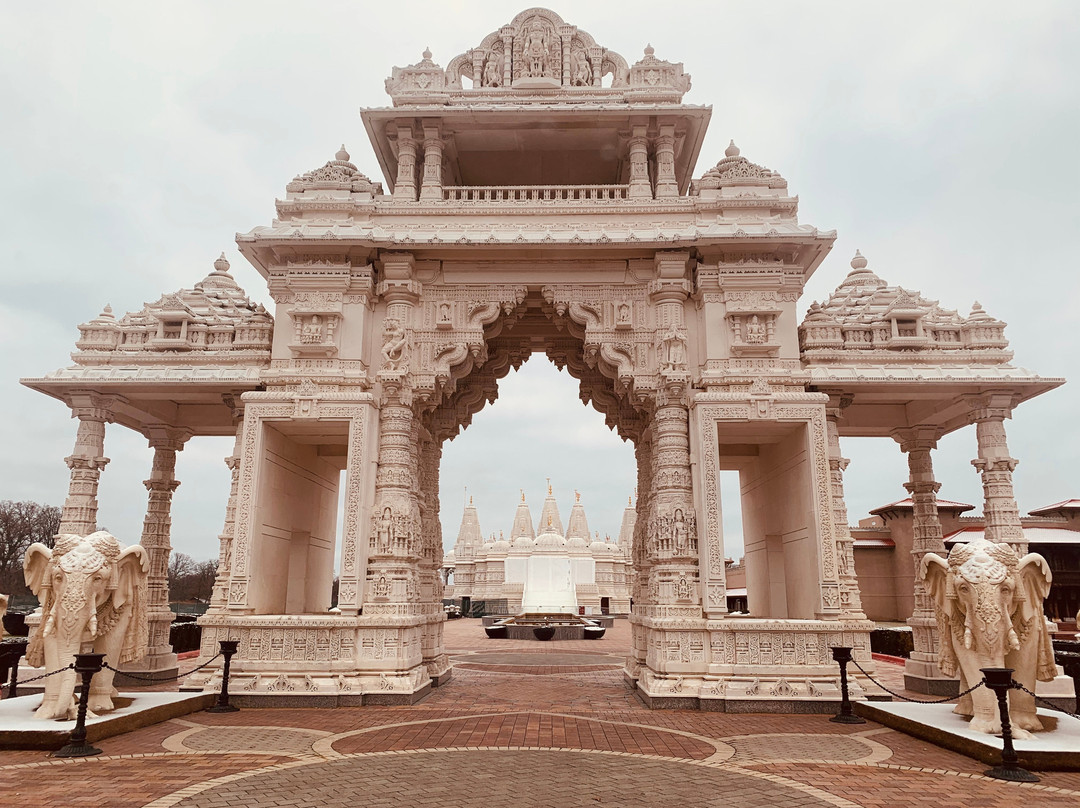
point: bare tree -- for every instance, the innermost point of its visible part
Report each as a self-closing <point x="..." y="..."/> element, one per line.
<point x="22" y="524"/>
<point x="190" y="579"/>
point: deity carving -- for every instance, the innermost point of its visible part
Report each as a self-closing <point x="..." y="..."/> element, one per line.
<point x="623" y="316"/>
<point x="755" y="331"/>
<point x="674" y="350"/>
<point x="580" y="69"/>
<point x="394" y="346"/>
<point x="493" y="68"/>
<point x="536" y="51"/>
<point x="312" y="330"/>
<point x="382" y="587"/>
<point x="445" y="315"/>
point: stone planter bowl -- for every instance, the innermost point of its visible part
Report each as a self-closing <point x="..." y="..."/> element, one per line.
<point x="495" y="632"/>
<point x="544" y="632"/>
<point x="594" y="632"/>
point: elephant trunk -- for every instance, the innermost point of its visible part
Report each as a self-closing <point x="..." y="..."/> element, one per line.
<point x="65" y="697"/>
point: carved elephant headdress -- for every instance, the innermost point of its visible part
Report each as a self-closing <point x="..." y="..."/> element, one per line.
<point x="73" y="557"/>
<point x="982" y="563"/>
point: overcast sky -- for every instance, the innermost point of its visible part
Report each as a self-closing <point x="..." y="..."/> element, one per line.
<point x="136" y="139"/>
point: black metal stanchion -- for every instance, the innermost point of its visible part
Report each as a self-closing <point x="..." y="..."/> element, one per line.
<point x="842" y="656"/>
<point x="228" y="648"/>
<point x="87" y="665"/>
<point x="1001" y="682"/>
<point x="11" y="652"/>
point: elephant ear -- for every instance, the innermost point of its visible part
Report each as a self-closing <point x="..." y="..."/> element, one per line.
<point x="934" y="572"/>
<point x="35" y="568"/>
<point x="132" y="566"/>
<point x="36" y="574"/>
<point x="1034" y="576"/>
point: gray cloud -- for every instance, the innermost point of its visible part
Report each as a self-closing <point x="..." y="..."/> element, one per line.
<point x="138" y="137"/>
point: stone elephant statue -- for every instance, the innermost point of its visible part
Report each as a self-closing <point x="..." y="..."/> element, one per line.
<point x="92" y="592"/>
<point x="989" y="605"/>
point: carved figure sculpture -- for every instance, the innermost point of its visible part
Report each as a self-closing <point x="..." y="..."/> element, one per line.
<point x="493" y="68"/>
<point x="580" y="69"/>
<point x="91" y="591"/>
<point x="393" y="349"/>
<point x="674" y="350"/>
<point x="990" y="615"/>
<point x="537" y="51"/>
<point x="755" y="331"/>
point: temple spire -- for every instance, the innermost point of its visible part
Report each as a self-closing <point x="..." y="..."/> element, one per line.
<point x="550" y="514"/>
<point x="626" y="530"/>
<point x="579" y="525"/>
<point x="523" y="525"/>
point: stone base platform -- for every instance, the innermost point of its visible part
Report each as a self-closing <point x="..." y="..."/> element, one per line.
<point x="302" y="699"/>
<point x="20" y="730"/>
<point x="1058" y="748"/>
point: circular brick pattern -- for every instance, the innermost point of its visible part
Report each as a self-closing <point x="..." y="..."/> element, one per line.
<point x="522" y="729"/>
<point x="250" y="739"/>
<point x="493" y="779"/>
<point x="800" y="747"/>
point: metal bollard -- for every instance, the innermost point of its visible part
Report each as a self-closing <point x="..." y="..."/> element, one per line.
<point x="1001" y="682"/>
<point x="228" y="648"/>
<point x="10" y="654"/>
<point x="842" y="656"/>
<point x="87" y="665"/>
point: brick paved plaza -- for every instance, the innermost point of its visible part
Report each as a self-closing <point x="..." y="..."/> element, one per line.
<point x="517" y="730"/>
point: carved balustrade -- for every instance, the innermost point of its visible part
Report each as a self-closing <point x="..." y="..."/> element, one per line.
<point x="536" y="193"/>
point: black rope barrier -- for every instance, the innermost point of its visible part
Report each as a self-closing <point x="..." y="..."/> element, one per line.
<point x="161" y="678"/>
<point x="43" y="676"/>
<point x="902" y="697"/>
<point x="1044" y="702"/>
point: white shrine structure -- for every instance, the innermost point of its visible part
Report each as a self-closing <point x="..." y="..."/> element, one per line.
<point x="540" y="196"/>
<point x="543" y="570"/>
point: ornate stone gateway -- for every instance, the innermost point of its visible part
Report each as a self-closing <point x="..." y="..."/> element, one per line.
<point x="540" y="199"/>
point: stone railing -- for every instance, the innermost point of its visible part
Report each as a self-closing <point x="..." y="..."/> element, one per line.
<point x="535" y="193"/>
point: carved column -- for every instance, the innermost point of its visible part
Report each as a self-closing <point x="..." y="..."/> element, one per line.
<point x="395" y="540"/>
<point x="666" y="184"/>
<point x="157" y="525"/>
<point x="989" y="412"/>
<point x="640" y="188"/>
<point x="672" y="543"/>
<point x="850" y="598"/>
<point x="86" y="461"/>
<point x="921" y="672"/>
<point x="431" y="184"/>
<point x="405" y="184"/>
<point x="220" y="597"/>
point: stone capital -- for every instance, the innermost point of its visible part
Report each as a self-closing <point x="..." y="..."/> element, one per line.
<point x="917" y="438"/>
<point x="991" y="406"/>
<point x="167" y="438"/>
<point x="93" y="406"/>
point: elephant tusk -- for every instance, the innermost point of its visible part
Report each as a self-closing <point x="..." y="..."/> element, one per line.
<point x="93" y="616"/>
<point x="1014" y="641"/>
<point x="967" y="637"/>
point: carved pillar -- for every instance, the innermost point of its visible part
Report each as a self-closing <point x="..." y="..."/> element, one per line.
<point x="405" y="184"/>
<point x="640" y="188"/>
<point x="86" y="461"/>
<point x="666" y="184"/>
<point x="921" y="672"/>
<point x="989" y="412"/>
<point x="155" y="539"/>
<point x="431" y="185"/>
<point x="672" y="543"/>
<point x="220" y="597"/>
<point x="395" y="541"/>
<point x="850" y="598"/>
